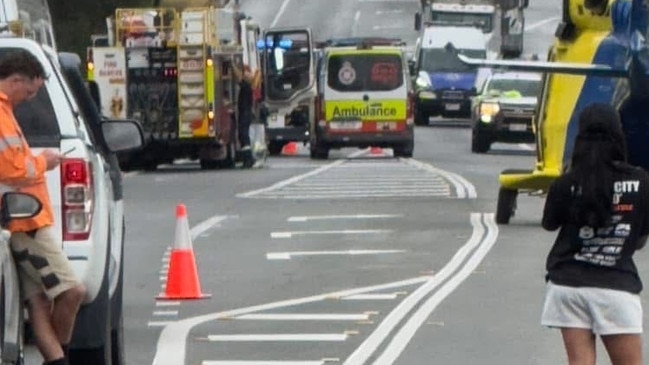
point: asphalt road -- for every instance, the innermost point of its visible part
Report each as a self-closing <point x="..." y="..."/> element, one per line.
<point x="395" y="261"/>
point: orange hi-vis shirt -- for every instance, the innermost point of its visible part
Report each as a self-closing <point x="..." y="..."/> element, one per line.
<point x="21" y="170"/>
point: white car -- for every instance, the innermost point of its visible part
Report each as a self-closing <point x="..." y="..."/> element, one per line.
<point x="85" y="193"/>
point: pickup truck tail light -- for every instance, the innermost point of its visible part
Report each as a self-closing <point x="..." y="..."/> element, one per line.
<point x="410" y="109"/>
<point x="77" y="199"/>
<point x="320" y="111"/>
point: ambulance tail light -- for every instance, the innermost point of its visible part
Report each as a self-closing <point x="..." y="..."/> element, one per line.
<point x="77" y="203"/>
<point x="410" y="109"/>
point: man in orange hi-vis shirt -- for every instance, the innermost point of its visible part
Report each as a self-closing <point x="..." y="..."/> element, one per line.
<point x="50" y="288"/>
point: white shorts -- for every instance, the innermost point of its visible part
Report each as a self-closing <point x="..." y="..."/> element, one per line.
<point x="604" y="311"/>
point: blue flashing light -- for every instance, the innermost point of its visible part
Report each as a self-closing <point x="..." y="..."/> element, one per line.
<point x="261" y="44"/>
<point x="269" y="43"/>
<point x="286" y="43"/>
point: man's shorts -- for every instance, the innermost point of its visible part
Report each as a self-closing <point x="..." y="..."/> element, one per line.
<point x="604" y="311"/>
<point x="42" y="265"/>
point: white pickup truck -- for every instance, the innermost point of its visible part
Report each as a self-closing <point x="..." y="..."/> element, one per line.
<point x="64" y="117"/>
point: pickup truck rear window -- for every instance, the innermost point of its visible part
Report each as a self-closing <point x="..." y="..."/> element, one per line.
<point x="365" y="72"/>
<point x="37" y="118"/>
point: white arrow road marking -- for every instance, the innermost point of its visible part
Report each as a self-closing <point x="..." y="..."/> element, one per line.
<point x="299" y="337"/>
<point x="289" y="255"/>
<point x="205" y="225"/>
<point x="332" y="217"/>
<point x="345" y="231"/>
<point x="304" y="317"/>
<point x="371" y="297"/>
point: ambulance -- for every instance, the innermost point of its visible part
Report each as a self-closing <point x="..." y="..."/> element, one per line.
<point x="364" y="99"/>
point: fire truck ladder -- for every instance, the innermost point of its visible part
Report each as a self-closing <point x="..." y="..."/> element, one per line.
<point x="195" y="76"/>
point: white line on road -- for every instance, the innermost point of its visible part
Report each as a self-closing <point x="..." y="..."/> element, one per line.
<point x="542" y="23"/>
<point x="205" y="225"/>
<point x="159" y="323"/>
<point x="165" y="313"/>
<point x="263" y="362"/>
<point x="279" y="13"/>
<point x="526" y="147"/>
<point x="372" y="343"/>
<point x="463" y="188"/>
<point x="171" y="347"/>
<point x="357" y="17"/>
<point x="386" y="27"/>
<point x="343" y="231"/>
<point x="371" y="297"/>
<point x="289" y="255"/>
<point x="351" y="216"/>
<point x="405" y="334"/>
<point x="304" y="317"/>
<point x="297" y="337"/>
<point x="166" y="303"/>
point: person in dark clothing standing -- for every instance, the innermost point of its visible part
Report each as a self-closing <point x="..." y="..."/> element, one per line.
<point x="245" y="103"/>
<point x="601" y="207"/>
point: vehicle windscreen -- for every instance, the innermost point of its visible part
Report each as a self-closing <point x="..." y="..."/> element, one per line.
<point x="365" y="72"/>
<point x="288" y="64"/>
<point x="441" y="60"/>
<point x="479" y="20"/>
<point x="530" y="88"/>
<point x="37" y="118"/>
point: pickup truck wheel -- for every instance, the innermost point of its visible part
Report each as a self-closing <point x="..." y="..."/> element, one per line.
<point x="506" y="205"/>
<point x="116" y="306"/>
<point x="421" y="118"/>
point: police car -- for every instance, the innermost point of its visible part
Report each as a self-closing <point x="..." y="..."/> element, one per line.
<point x="364" y="98"/>
<point x="85" y="192"/>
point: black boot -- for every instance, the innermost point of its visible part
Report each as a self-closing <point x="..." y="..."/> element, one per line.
<point x="248" y="159"/>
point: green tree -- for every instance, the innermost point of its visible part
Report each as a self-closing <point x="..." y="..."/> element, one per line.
<point x="76" y="20"/>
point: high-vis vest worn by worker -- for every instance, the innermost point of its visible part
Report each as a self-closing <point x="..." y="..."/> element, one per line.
<point x="22" y="170"/>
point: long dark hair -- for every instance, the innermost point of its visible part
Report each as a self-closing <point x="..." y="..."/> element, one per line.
<point x="599" y="148"/>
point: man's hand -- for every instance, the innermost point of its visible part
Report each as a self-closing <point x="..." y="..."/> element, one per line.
<point x="52" y="159"/>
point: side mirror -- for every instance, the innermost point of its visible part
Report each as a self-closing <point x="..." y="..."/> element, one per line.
<point x="417" y="21"/>
<point x="17" y="205"/>
<point x="122" y="134"/>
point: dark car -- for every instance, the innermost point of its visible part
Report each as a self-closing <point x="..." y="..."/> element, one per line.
<point x="504" y="110"/>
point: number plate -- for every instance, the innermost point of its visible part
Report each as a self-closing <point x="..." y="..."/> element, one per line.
<point x="190" y="65"/>
<point x="517" y="127"/>
<point x="453" y="107"/>
<point x="347" y="125"/>
<point x="276" y="121"/>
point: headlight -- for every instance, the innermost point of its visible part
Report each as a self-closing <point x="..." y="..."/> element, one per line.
<point x="488" y="111"/>
<point x="423" y="82"/>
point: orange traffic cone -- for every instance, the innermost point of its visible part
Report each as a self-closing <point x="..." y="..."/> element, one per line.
<point x="290" y="148"/>
<point x="376" y="151"/>
<point x="182" y="277"/>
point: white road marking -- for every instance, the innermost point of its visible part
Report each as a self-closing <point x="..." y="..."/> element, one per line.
<point x="391" y="11"/>
<point x="463" y="188"/>
<point x="526" y="147"/>
<point x="343" y="231"/>
<point x="279" y="13"/>
<point x="263" y="362"/>
<point x="297" y="337"/>
<point x="405" y="334"/>
<point x="165" y="313"/>
<point x="166" y="303"/>
<point x="351" y="216"/>
<point x="355" y="24"/>
<point x="386" y="27"/>
<point x="289" y="255"/>
<point x="207" y="224"/>
<point x="159" y="323"/>
<point x="171" y="349"/>
<point x="304" y="317"/>
<point x="371" y="297"/>
<point x="372" y="343"/>
<point x="542" y="23"/>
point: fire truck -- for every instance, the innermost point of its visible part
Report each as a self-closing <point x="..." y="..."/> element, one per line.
<point x="502" y="21"/>
<point x="174" y="71"/>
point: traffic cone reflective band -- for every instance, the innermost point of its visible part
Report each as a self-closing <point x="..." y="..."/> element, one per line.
<point x="376" y="151"/>
<point x="290" y="148"/>
<point x="182" y="277"/>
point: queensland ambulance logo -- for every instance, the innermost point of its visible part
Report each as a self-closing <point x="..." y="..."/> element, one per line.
<point x="347" y="74"/>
